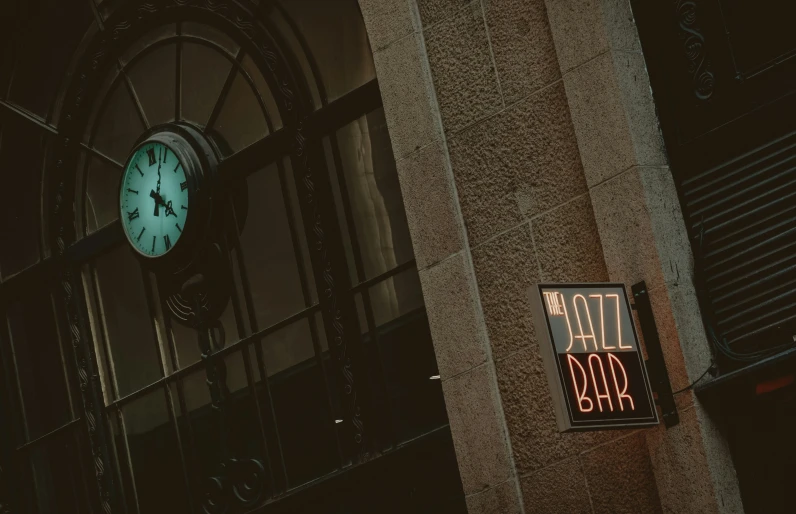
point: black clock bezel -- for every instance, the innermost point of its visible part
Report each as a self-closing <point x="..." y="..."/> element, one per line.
<point x="199" y="164"/>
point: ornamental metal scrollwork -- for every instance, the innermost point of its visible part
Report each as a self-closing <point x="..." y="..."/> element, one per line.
<point x="241" y="482"/>
<point x="699" y="66"/>
<point x="339" y="347"/>
<point x="240" y="485"/>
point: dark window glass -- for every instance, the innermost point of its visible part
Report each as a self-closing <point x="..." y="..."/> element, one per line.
<point x="374" y="194"/>
<point x="301" y="404"/>
<point x="57" y="475"/>
<point x="405" y="353"/>
<point x="264" y="91"/>
<point x="125" y="318"/>
<point x="154" y="454"/>
<point x="204" y="71"/>
<point x="241" y="120"/>
<point x="47" y="33"/>
<point x="759" y="31"/>
<point x="39" y="365"/>
<point x="146" y="40"/>
<point x="21" y="162"/>
<point x="340" y="48"/>
<point x="154" y="79"/>
<point x="267" y="247"/>
<point x="102" y="194"/>
<point x="119" y="124"/>
<point x="294" y="46"/>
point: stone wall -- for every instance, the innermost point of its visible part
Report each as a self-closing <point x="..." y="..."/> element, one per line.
<point x="528" y="150"/>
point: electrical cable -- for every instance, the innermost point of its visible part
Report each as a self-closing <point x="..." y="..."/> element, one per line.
<point x="692" y="384"/>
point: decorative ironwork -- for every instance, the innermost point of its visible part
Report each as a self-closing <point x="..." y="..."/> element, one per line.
<point x="100" y="55"/>
<point x="699" y="66"/>
<point x="241" y="481"/>
<point x="329" y="300"/>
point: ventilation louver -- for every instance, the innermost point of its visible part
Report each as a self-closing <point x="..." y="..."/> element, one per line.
<point x="745" y="210"/>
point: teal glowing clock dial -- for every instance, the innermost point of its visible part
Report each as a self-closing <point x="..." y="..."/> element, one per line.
<point x="154" y="199"/>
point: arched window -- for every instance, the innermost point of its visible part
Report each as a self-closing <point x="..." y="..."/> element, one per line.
<point x="320" y="358"/>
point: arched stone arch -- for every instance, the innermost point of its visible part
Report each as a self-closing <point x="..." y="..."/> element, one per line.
<point x="528" y="149"/>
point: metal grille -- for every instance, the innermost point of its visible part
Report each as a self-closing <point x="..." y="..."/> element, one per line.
<point x="744" y="213"/>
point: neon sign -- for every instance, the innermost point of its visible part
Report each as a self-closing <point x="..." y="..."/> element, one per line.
<point x="590" y="349"/>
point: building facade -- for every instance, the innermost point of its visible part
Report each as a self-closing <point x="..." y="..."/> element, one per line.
<point x="354" y="334"/>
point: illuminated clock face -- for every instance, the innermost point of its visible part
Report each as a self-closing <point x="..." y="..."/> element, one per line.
<point x="154" y="199"/>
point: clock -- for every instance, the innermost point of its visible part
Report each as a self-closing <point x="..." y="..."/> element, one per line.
<point x="164" y="200"/>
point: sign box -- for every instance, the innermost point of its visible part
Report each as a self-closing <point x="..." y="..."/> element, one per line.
<point x="590" y="349"/>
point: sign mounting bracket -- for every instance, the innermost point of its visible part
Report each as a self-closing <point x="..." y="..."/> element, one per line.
<point x="656" y="365"/>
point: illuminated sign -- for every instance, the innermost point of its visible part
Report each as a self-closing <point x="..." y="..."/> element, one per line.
<point x="590" y="349"/>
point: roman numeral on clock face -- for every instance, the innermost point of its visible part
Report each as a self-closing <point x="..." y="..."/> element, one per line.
<point x="183" y="185"/>
<point x="154" y="240"/>
<point x="132" y="215"/>
<point x="151" y="154"/>
<point x="167" y="241"/>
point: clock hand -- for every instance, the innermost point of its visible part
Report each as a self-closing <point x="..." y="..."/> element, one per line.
<point x="158" y="201"/>
<point x="170" y="210"/>
<point x="159" y="172"/>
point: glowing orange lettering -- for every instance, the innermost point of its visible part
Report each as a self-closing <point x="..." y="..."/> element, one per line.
<point x="581" y="395"/>
<point x="599" y="396"/>
<point x="623" y="393"/>
<point x="553" y="307"/>
<point x="602" y="322"/>
<point x="569" y="325"/>
<point x="618" y="323"/>
<point x="582" y="335"/>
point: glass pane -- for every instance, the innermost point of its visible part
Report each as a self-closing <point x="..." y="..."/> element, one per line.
<point x="21" y="162"/>
<point x="406" y="356"/>
<point x="102" y="194"/>
<point x="47" y="34"/>
<point x="267" y="247"/>
<point x="395" y="297"/>
<point x="243" y="428"/>
<point x="292" y="44"/>
<point x="122" y="474"/>
<point x="57" y="475"/>
<point x="204" y="71"/>
<point x="125" y="314"/>
<point x="154" y="79"/>
<point x="147" y="40"/>
<point x="39" y="364"/>
<point x="155" y="455"/>
<point x="340" y="49"/>
<point x="301" y="404"/>
<point x="241" y="120"/>
<point x="264" y="91"/>
<point x="374" y="193"/>
<point x="110" y="80"/>
<point x="209" y="33"/>
<point x="119" y="124"/>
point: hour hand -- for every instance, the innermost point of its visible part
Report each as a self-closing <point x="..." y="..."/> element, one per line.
<point x="158" y="200"/>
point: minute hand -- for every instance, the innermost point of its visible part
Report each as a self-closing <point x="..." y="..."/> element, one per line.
<point x="158" y="201"/>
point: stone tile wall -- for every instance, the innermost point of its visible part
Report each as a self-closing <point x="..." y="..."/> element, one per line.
<point x="528" y="149"/>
